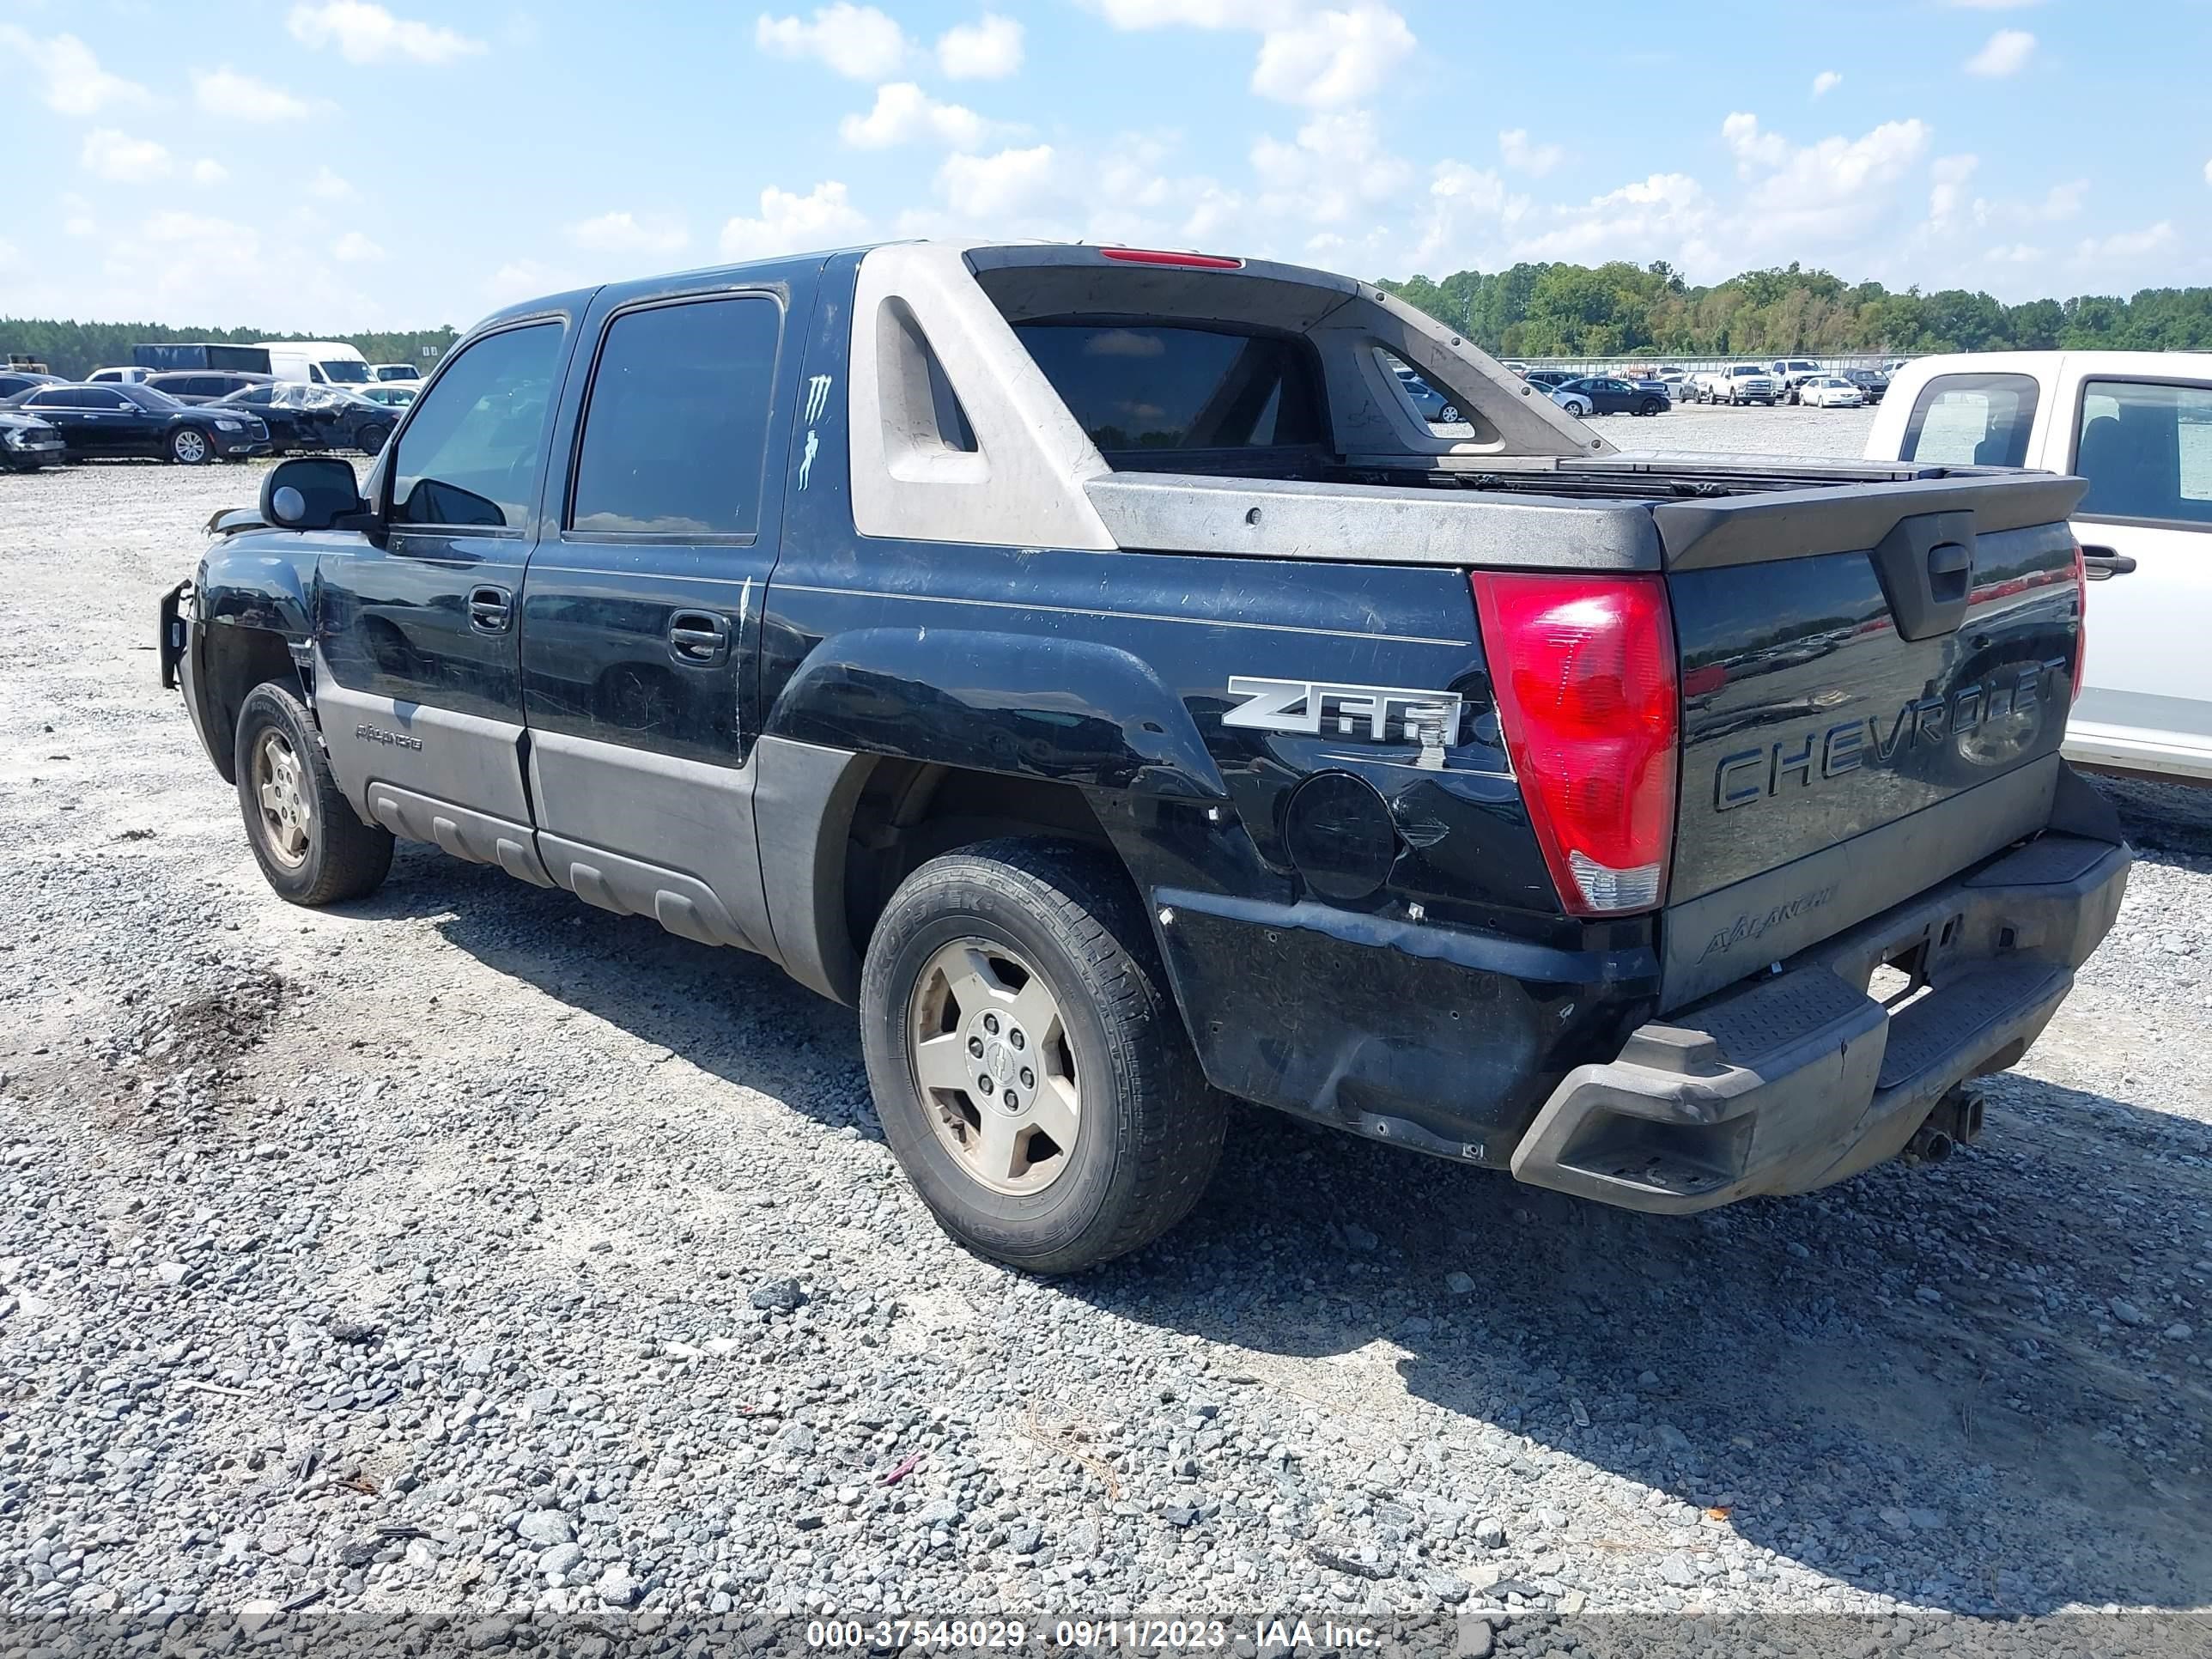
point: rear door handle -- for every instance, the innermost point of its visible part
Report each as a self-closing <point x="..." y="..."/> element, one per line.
<point x="491" y="610"/>
<point x="2101" y="564"/>
<point x="700" y="638"/>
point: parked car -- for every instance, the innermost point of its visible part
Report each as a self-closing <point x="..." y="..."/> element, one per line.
<point x="28" y="443"/>
<point x="1681" y="388"/>
<point x="317" y="362"/>
<point x="2138" y="426"/>
<point x="319" y="417"/>
<point x="1604" y="395"/>
<point x="1741" y="382"/>
<point x="1550" y="379"/>
<point x="1871" y="382"/>
<point x="1790" y="372"/>
<point x="101" y="422"/>
<point x="407" y="372"/>
<point x="170" y="357"/>
<point x="15" y="382"/>
<point x="393" y="394"/>
<point x="1827" y="391"/>
<point x="1252" y="808"/>
<point x="1432" y="404"/>
<point x="204" y="386"/>
<point x="122" y="374"/>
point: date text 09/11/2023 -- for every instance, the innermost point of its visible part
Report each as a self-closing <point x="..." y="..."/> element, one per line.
<point x="1081" y="1635"/>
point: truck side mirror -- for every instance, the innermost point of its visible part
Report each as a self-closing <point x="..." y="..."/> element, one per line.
<point x="312" y="492"/>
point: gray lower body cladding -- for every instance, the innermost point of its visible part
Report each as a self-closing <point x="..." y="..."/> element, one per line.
<point x="1800" y="1079"/>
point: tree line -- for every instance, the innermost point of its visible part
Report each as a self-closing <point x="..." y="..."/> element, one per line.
<point x="1623" y="310"/>
<point x="1611" y="310"/>
<point x="74" y="349"/>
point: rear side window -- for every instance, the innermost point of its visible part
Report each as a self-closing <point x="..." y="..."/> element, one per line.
<point x="676" y="433"/>
<point x="1142" y="386"/>
<point x="1971" y="420"/>
<point x="471" y="454"/>
<point x="2146" y="449"/>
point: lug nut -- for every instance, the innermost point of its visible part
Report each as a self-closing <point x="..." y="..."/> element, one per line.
<point x="975" y="1047"/>
<point x="991" y="1024"/>
<point x="1029" y="1078"/>
<point x="1014" y="1036"/>
<point x="984" y="1087"/>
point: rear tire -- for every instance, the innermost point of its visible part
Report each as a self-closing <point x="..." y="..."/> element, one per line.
<point x="374" y="438"/>
<point x="310" y="845"/>
<point x="974" y="949"/>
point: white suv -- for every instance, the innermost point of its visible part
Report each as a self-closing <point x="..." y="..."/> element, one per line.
<point x="2138" y="426"/>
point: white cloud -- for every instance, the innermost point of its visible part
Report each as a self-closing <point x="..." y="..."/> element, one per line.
<point x="988" y="49"/>
<point x="353" y="248"/>
<point x="1826" y="82"/>
<point x="1335" y="169"/>
<point x="173" y="225"/>
<point x="2123" y="245"/>
<point x="2016" y="253"/>
<point x="122" y="159"/>
<point x="1667" y="211"/>
<point x="207" y="171"/>
<point x="227" y="92"/>
<point x="328" y="186"/>
<point x="525" y="279"/>
<point x="905" y="114"/>
<point x="858" y="42"/>
<point x="1753" y="149"/>
<point x="1000" y="187"/>
<point x="77" y="220"/>
<point x="1316" y="57"/>
<point x="1467" y="207"/>
<point x="625" y="233"/>
<point x="1331" y="59"/>
<point x="2006" y="53"/>
<point x="366" y="33"/>
<point x="75" y="83"/>
<point x="792" y="224"/>
<point x="1819" y="191"/>
<point x="9" y="256"/>
<point x="1950" y="173"/>
<point x="1524" y="156"/>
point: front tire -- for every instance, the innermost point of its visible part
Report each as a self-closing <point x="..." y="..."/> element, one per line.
<point x="189" y="447"/>
<point x="1028" y="1063"/>
<point x="311" y="848"/>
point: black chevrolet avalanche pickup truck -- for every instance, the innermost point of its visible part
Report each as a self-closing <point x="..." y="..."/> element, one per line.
<point x="1088" y="662"/>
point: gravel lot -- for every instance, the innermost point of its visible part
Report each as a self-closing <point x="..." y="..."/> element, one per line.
<point x="473" y="1253"/>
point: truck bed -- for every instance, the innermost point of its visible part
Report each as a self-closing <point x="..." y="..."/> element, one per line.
<point x="1612" y="513"/>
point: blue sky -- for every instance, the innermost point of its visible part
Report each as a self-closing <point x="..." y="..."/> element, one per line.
<point x="340" y="164"/>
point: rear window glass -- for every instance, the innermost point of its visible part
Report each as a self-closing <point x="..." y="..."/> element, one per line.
<point x="677" y="432"/>
<point x="1971" y="420"/>
<point x="2146" y="450"/>
<point x="1152" y="386"/>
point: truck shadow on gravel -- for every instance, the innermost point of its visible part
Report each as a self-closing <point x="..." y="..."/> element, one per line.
<point x="1915" y="1382"/>
<point x="1922" y="1382"/>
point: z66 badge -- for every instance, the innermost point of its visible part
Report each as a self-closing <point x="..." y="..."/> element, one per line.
<point x="1372" y="714"/>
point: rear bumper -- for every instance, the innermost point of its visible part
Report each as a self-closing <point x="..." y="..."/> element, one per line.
<point x="1800" y="1079"/>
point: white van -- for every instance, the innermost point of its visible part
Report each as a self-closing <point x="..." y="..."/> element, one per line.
<point x="317" y="362"/>
<point x="2138" y="426"/>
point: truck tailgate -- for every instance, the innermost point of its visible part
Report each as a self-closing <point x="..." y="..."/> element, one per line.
<point x="1875" y="688"/>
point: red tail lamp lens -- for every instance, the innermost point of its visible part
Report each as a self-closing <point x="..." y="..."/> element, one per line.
<point x="1589" y="698"/>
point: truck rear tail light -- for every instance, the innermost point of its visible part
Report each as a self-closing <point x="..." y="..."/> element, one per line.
<point x="1584" y="671"/>
<point x="2081" y="617"/>
<point x="1155" y="255"/>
